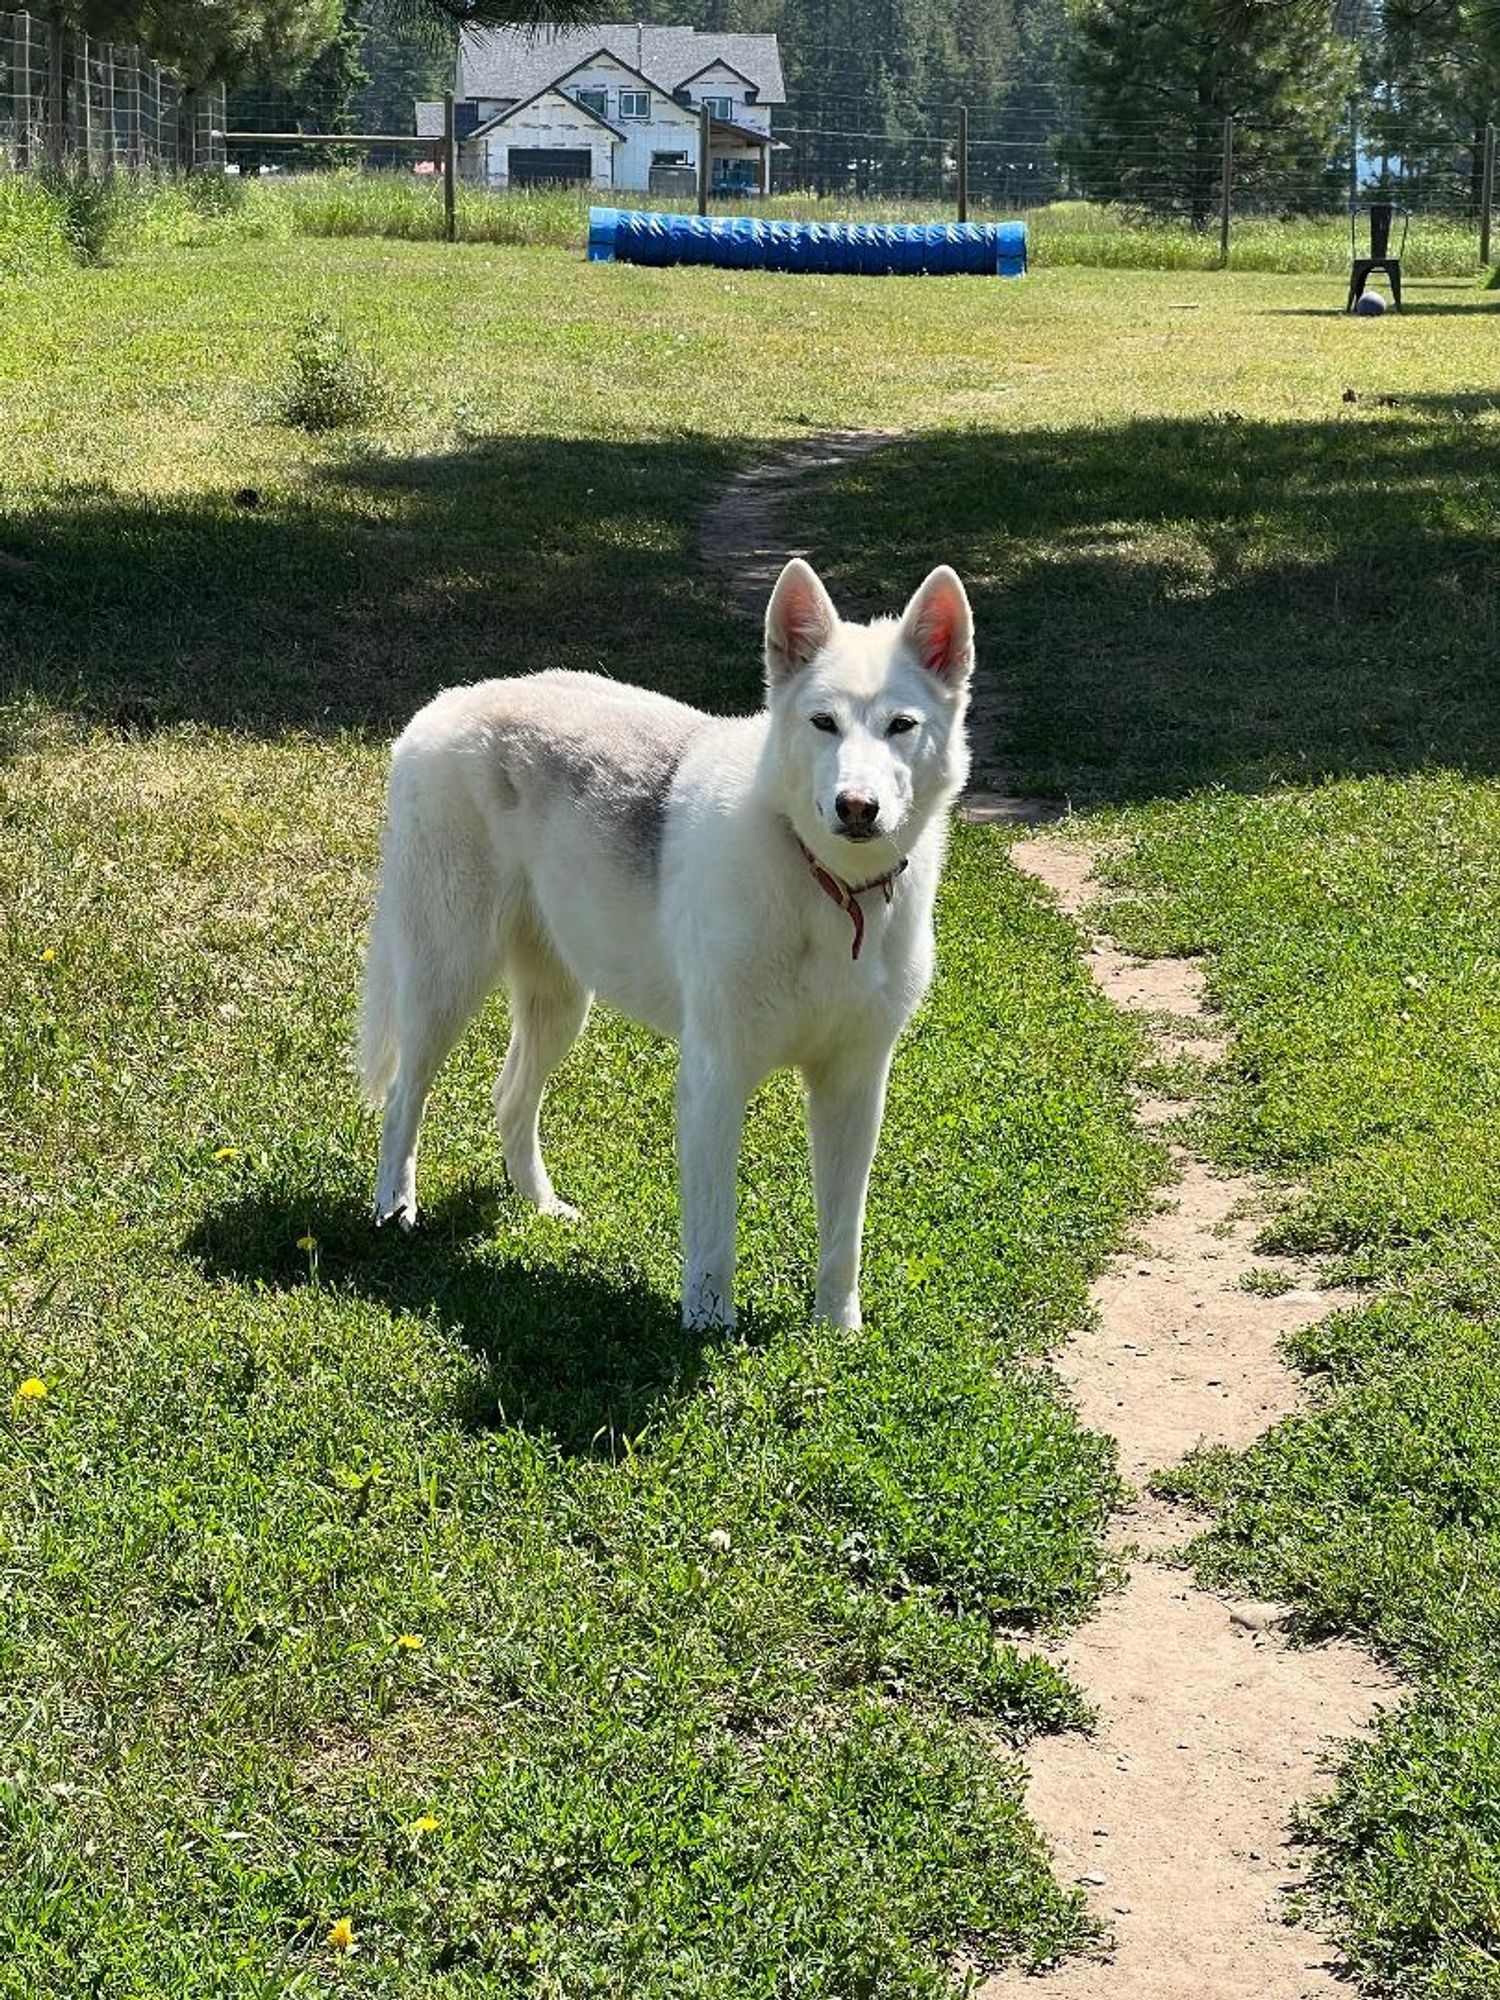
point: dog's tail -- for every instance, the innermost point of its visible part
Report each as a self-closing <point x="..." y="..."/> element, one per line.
<point x="378" y="1053"/>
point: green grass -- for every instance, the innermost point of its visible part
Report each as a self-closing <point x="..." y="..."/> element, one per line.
<point x="1255" y="641"/>
<point x="708" y="1684"/>
<point x="1247" y="623"/>
<point x="722" y="1665"/>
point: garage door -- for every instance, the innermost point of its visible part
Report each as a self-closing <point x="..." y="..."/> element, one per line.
<point x="530" y="164"/>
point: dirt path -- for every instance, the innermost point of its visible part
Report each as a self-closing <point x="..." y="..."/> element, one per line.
<point x="746" y="539"/>
<point x="1174" y="1813"/>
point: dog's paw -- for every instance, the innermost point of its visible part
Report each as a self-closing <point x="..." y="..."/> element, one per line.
<point x="558" y="1209"/>
<point x="842" y="1314"/>
<point x="403" y="1214"/>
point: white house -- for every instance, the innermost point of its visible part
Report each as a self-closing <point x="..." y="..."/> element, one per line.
<point x="616" y="106"/>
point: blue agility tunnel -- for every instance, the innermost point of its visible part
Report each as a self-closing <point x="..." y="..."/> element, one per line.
<point x="746" y="243"/>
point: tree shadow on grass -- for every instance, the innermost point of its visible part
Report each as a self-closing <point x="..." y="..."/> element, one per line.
<point x="1163" y="604"/>
<point x="1174" y="603"/>
<point x="569" y="1353"/>
<point x="347" y="596"/>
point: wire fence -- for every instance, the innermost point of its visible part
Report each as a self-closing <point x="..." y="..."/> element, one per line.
<point x="71" y="100"/>
<point x="1160" y="169"/>
<point x="1203" y="172"/>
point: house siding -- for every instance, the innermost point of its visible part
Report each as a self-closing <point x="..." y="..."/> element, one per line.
<point x="671" y="127"/>
<point x="553" y="122"/>
<point x="718" y="80"/>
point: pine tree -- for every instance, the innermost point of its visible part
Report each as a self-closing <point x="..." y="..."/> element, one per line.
<point x="1435" y="88"/>
<point x="1156" y="80"/>
<point x="223" y="43"/>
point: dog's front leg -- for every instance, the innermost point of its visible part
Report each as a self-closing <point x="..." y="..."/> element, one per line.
<point x="711" y="1099"/>
<point x="845" y="1104"/>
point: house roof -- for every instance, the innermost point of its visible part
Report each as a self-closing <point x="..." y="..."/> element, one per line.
<point x="547" y="90"/>
<point x="520" y="62"/>
<point x="586" y="61"/>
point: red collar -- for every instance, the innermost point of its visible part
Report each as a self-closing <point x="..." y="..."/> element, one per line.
<point x="846" y="894"/>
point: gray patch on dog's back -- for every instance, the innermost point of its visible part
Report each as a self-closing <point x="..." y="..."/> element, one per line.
<point x="614" y="754"/>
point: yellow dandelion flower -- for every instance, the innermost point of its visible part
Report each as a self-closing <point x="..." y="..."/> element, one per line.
<point x="307" y="1242"/>
<point x="341" y="1937"/>
<point x="411" y="1642"/>
<point x="227" y="1153"/>
<point x="31" y="1390"/>
<point x="48" y="956"/>
<point x="427" y="1823"/>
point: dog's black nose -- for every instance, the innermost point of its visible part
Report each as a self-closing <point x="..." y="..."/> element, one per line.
<point x="857" y="811"/>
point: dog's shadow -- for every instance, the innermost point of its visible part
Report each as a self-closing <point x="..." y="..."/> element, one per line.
<point x="576" y="1355"/>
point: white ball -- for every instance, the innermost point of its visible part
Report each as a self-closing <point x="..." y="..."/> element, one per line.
<point x="1369" y="305"/>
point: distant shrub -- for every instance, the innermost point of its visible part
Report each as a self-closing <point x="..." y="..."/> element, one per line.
<point x="92" y="209"/>
<point x="32" y="236"/>
<point x="330" y="382"/>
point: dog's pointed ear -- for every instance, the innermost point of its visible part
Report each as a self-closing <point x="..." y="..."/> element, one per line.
<point x="938" y="626"/>
<point x="800" y="620"/>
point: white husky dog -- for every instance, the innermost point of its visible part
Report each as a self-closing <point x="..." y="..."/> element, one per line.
<point x="759" y="888"/>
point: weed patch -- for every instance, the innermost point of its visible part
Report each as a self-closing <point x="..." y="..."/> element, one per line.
<point x="329" y="382"/>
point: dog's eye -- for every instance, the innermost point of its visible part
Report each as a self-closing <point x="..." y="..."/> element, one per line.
<point x="900" y="724"/>
<point x="824" y="722"/>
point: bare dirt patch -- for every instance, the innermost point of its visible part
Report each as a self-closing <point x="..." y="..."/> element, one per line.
<point x="1174" y="1813"/>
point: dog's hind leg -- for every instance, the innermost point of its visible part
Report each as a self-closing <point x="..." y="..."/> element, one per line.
<point x="439" y="972"/>
<point x="547" y="1009"/>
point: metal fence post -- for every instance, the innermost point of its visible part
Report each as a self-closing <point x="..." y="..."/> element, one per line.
<point x="57" y="96"/>
<point x="21" y="88"/>
<point x="1353" y="153"/>
<point x="1226" y="201"/>
<point x="450" y="171"/>
<point x="135" y="140"/>
<point x="107" y="81"/>
<point x="1486" y="193"/>
<point x="963" y="162"/>
<point x="704" y="157"/>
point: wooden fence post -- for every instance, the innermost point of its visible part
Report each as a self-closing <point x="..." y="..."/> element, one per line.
<point x="450" y="171"/>
<point x="1486" y="194"/>
<point x="704" y="120"/>
<point x="1226" y="200"/>
<point x="963" y="162"/>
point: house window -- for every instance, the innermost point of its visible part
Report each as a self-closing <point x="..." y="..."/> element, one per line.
<point x="635" y="104"/>
<point x="719" y="107"/>
<point x="593" y="100"/>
